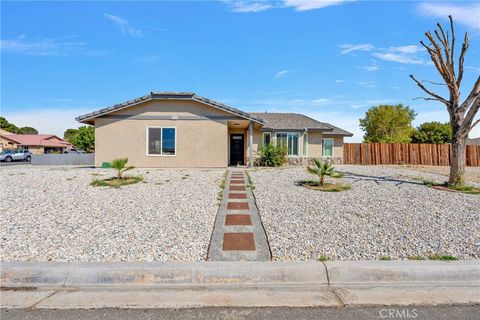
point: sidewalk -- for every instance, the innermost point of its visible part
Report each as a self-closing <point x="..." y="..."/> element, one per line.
<point x="238" y="284"/>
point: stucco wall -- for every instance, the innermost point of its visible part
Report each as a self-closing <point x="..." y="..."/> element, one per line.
<point x="199" y="142"/>
<point x="314" y="147"/>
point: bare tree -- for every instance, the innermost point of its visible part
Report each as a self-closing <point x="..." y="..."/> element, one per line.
<point x="462" y="114"/>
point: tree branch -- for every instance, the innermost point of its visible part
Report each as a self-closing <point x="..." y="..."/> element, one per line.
<point x="471" y="97"/>
<point x="462" y="58"/>
<point x="453" y="45"/>
<point x="439" y="98"/>
<point x="474" y="124"/>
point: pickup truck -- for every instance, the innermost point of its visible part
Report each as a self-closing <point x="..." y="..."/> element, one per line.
<point x="15" y="155"/>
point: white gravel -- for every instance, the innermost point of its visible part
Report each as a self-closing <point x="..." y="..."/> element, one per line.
<point x="52" y="214"/>
<point x="384" y="214"/>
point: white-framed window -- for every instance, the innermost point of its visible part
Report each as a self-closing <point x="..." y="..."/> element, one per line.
<point x="327" y="147"/>
<point x="161" y="141"/>
<point x="289" y="139"/>
<point x="305" y="144"/>
<point x="266" y="138"/>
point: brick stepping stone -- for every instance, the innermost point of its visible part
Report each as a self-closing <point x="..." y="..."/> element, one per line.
<point x="237" y="188"/>
<point x="238" y="241"/>
<point x="238" y="220"/>
<point x="237" y="206"/>
<point x="237" y="181"/>
<point x="237" y="196"/>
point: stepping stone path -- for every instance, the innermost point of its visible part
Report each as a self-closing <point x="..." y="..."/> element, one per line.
<point x="238" y="233"/>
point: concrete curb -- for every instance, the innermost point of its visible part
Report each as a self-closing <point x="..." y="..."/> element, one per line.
<point x="240" y="284"/>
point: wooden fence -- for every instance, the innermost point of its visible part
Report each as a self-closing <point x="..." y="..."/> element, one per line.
<point x="396" y="153"/>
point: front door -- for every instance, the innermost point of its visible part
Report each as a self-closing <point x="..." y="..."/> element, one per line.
<point x="236" y="149"/>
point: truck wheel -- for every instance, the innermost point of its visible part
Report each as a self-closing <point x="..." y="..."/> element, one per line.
<point x="28" y="158"/>
<point x="8" y="159"/>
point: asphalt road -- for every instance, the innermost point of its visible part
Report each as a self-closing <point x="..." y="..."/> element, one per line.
<point x="346" y="313"/>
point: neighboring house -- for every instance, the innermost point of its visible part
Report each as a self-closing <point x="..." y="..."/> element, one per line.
<point x="172" y="129"/>
<point x="35" y="143"/>
<point x="475" y="141"/>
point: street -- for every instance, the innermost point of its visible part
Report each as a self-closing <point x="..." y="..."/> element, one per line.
<point x="466" y="312"/>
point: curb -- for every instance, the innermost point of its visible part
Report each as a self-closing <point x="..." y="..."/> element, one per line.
<point x="239" y="284"/>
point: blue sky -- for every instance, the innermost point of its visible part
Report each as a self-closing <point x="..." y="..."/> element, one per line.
<point x="331" y="60"/>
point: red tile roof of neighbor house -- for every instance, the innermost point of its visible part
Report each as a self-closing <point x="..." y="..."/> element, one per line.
<point x="44" y="140"/>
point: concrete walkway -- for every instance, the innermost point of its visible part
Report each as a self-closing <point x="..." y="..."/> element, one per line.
<point x="238" y="233"/>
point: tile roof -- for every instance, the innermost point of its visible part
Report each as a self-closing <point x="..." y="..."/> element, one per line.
<point x="166" y="95"/>
<point x="296" y="121"/>
<point x="37" y="140"/>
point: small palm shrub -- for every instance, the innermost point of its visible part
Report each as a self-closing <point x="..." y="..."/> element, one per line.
<point x="271" y="156"/>
<point x="323" y="169"/>
<point x="120" y="166"/>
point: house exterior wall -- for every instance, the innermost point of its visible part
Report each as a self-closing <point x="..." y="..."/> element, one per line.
<point x="314" y="146"/>
<point x="200" y="142"/>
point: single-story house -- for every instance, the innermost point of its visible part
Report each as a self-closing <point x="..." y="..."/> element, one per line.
<point x="35" y="143"/>
<point x="179" y="129"/>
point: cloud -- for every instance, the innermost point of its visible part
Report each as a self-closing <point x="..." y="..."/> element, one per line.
<point x="147" y="58"/>
<point x="249" y="6"/>
<point x="282" y="74"/>
<point x="54" y="121"/>
<point x="348" y="48"/>
<point x="123" y="25"/>
<point x="401" y="54"/>
<point x="305" y="5"/>
<point x="468" y="15"/>
<point x="371" y="68"/>
<point x="367" y="84"/>
<point x="246" y="6"/>
<point x="62" y="46"/>
<point x="339" y="81"/>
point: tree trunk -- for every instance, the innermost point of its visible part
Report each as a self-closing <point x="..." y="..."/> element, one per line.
<point x="322" y="180"/>
<point x="457" y="166"/>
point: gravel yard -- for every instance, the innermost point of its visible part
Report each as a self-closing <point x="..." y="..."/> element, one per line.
<point x="387" y="212"/>
<point x="53" y="214"/>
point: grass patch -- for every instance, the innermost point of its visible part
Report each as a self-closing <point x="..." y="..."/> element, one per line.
<point x="322" y="258"/>
<point x="326" y="187"/>
<point x="463" y="189"/>
<point x="222" y="186"/>
<point x="415" y="258"/>
<point x="158" y="183"/>
<point x="385" y="258"/>
<point x="116" y="183"/>
<point x="250" y="181"/>
<point x="438" y="257"/>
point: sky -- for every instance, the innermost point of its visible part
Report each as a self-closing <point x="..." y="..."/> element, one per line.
<point x="330" y="60"/>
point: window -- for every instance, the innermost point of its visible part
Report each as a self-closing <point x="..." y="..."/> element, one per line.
<point x="327" y="147"/>
<point x="161" y="141"/>
<point x="266" y="138"/>
<point x="289" y="139"/>
<point x="305" y="143"/>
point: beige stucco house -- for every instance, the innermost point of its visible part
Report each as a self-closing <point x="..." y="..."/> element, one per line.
<point x="176" y="129"/>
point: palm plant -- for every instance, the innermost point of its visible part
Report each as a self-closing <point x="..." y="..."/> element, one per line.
<point x="321" y="170"/>
<point x="120" y="166"/>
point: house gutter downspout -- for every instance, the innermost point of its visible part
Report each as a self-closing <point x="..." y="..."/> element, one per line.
<point x="250" y="128"/>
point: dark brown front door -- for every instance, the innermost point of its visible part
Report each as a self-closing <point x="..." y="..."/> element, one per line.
<point x="236" y="149"/>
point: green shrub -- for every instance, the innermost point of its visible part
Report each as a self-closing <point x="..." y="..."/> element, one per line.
<point x="120" y="166"/>
<point x="271" y="156"/>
